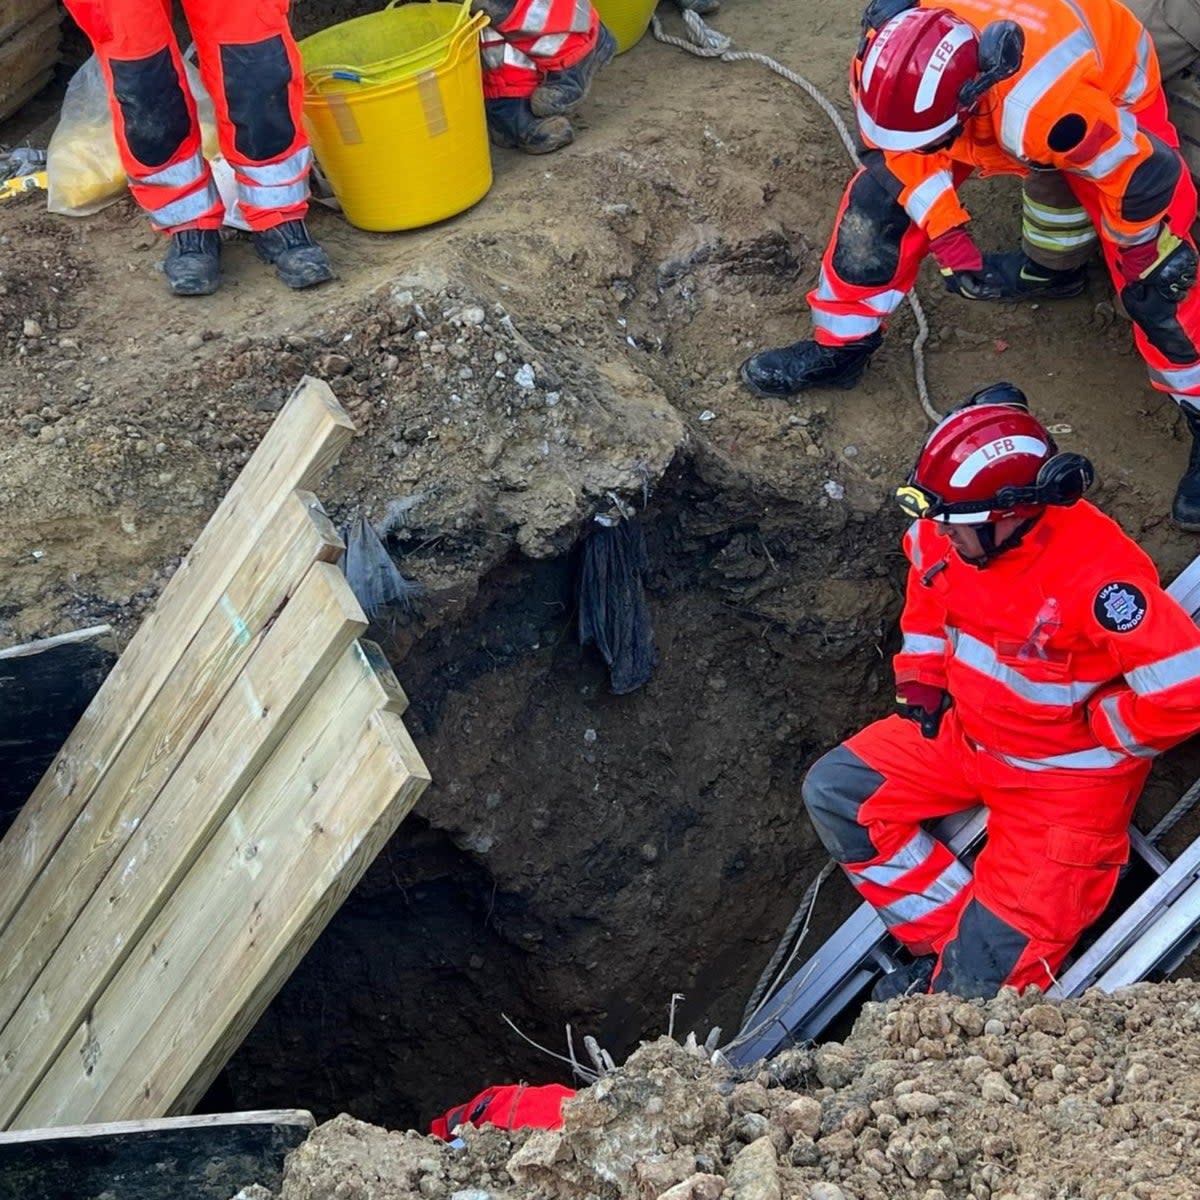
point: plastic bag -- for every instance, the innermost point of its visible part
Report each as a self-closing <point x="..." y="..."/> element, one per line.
<point x="84" y="169"/>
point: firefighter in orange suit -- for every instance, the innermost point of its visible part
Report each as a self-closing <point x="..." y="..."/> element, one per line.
<point x="1042" y="668"/>
<point x="1064" y="92"/>
<point x="251" y="68"/>
<point x="539" y="58"/>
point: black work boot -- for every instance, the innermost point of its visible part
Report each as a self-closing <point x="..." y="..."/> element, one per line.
<point x="298" y="260"/>
<point x="561" y="92"/>
<point x="193" y="262"/>
<point x="908" y="980"/>
<point x="1015" y="276"/>
<point x="1185" y="510"/>
<point x="808" y="364"/>
<point x="511" y="124"/>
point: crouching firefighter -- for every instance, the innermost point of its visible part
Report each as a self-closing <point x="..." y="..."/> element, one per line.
<point x="539" y="58"/>
<point x="1042" y="668"/>
<point x="251" y="68"/>
<point x="1071" y="100"/>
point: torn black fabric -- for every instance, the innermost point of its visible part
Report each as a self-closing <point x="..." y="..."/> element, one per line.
<point x="612" y="602"/>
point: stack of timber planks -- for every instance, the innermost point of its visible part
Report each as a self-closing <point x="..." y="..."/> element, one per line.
<point x="30" y="32"/>
<point x="242" y="765"/>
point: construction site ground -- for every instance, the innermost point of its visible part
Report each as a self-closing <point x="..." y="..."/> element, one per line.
<point x="580" y="856"/>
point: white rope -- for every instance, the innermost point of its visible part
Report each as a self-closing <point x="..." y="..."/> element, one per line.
<point x="706" y="42"/>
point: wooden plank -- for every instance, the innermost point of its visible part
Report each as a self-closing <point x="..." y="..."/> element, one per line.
<point x="261" y="891"/>
<point x="25" y="56"/>
<point x="15" y="13"/>
<point x="301" y="445"/>
<point x="44" y="688"/>
<point x="298" y="535"/>
<point x="313" y="631"/>
<point x="182" y="1158"/>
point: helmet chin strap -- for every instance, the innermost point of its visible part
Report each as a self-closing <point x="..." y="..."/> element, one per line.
<point x="987" y="539"/>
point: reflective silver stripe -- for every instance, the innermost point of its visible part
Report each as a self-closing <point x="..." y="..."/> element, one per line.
<point x="188" y="208"/>
<point x="913" y="544"/>
<point x="1096" y="759"/>
<point x="1057" y="241"/>
<point x="1181" y="379"/>
<point x="283" y="195"/>
<point x="885" y="302"/>
<point x="1137" y="81"/>
<point x="535" y="17"/>
<point x="179" y="174"/>
<point x="548" y="44"/>
<point x="971" y="652"/>
<point x="844" y="326"/>
<point x="1127" y="239"/>
<point x="1183" y="667"/>
<point x="286" y="171"/>
<point x="1035" y="84"/>
<point x="1110" y="707"/>
<point x="581" y="18"/>
<point x="914" y="853"/>
<point x="925" y="195"/>
<point x="1124" y="149"/>
<point x="945" y="888"/>
<point x="1055" y="216"/>
<point x="923" y="643"/>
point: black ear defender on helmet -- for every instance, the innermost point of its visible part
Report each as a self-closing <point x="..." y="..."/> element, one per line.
<point x="1062" y="481"/>
<point x="876" y="15"/>
<point x="1003" y="392"/>
<point x="1001" y="50"/>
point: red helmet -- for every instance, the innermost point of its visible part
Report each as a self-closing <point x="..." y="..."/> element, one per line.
<point x="992" y="459"/>
<point x="908" y="79"/>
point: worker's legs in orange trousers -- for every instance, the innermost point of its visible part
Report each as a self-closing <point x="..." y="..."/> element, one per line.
<point x="1056" y="840"/>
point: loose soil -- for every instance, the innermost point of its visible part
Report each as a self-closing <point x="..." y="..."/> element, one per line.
<point x="581" y="856"/>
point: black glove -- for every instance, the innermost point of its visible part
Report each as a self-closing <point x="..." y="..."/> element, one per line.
<point x="923" y="703"/>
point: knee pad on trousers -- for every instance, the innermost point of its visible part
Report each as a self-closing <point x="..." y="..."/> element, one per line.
<point x="1158" y="318"/>
<point x="1153" y="182"/>
<point x="982" y="954"/>
<point x="834" y="790"/>
<point x="866" y="252"/>
<point x="153" y="107"/>
<point x="257" y="80"/>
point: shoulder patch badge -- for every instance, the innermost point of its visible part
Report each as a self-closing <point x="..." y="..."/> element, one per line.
<point x="1120" y="607"/>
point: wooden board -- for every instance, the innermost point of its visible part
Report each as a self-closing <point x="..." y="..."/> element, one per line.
<point x="298" y="535"/>
<point x="262" y="890"/>
<point x="302" y="443"/>
<point x="44" y="688"/>
<point x="179" y="1158"/>
<point x="313" y="631"/>
<point x="25" y="56"/>
<point x="15" y="13"/>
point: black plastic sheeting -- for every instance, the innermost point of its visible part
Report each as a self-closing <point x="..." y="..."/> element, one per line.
<point x="373" y="577"/>
<point x="612" y="602"/>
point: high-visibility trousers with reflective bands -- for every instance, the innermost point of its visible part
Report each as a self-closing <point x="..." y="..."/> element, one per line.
<point x="537" y="37"/>
<point x="1055" y="844"/>
<point x="250" y="67"/>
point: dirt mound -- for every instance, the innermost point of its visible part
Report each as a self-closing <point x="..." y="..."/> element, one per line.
<point x="931" y="1097"/>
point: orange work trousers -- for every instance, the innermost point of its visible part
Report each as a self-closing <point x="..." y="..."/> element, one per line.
<point x="1056" y="841"/>
<point x="251" y="68"/>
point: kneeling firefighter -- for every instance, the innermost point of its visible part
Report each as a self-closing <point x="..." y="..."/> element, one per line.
<point x="1042" y="668"/>
<point x="1065" y="92"/>
<point x="251" y="68"/>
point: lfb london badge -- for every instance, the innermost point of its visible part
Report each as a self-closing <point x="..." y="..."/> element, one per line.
<point x="1120" y="607"/>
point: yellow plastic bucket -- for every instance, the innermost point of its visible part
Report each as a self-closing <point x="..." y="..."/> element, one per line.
<point x="393" y="105"/>
<point x="627" y="20"/>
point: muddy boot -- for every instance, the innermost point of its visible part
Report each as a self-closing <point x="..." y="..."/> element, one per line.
<point x="193" y="262"/>
<point x="1185" y="511"/>
<point x="561" y="92"/>
<point x="298" y="260"/>
<point x="908" y="980"/>
<point x="1015" y="276"/>
<point x="511" y="124"/>
<point x="808" y="364"/>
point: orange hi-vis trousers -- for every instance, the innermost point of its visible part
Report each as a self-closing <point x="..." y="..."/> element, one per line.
<point x="250" y="66"/>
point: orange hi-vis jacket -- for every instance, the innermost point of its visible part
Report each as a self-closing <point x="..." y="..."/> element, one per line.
<point x="1063" y="652"/>
<point x="1090" y="59"/>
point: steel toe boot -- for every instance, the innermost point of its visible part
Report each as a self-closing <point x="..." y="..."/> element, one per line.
<point x="298" y="260"/>
<point x="511" y="124"/>
<point x="808" y="364"/>
<point x="193" y="262"/>
<point x="1185" y="510"/>
<point x="907" y="980"/>
<point x="561" y="92"/>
